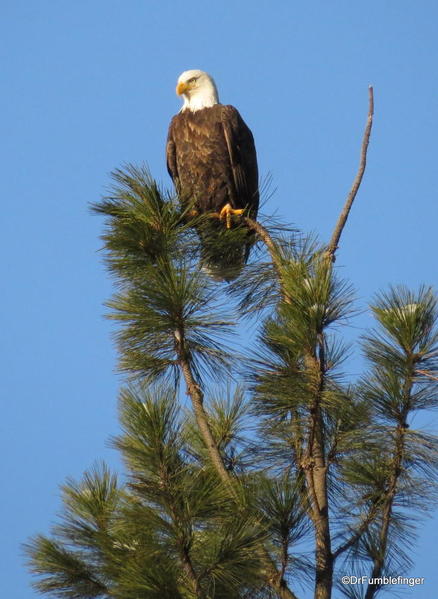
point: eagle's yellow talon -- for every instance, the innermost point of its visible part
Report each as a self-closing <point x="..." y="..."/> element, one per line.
<point x="227" y="211"/>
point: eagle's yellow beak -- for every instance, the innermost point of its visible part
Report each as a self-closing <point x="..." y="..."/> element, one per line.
<point x="181" y="88"/>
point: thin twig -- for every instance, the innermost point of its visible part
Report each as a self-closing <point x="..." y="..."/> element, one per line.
<point x="426" y="373"/>
<point x="334" y="242"/>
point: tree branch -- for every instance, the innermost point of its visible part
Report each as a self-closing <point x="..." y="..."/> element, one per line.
<point x="275" y="578"/>
<point x="267" y="240"/>
<point x="334" y="242"/>
<point x="197" y="398"/>
<point x="358" y="533"/>
<point x="273" y="252"/>
<point x="398" y="457"/>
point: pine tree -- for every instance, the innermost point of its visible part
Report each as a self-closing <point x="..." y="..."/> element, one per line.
<point x="274" y="471"/>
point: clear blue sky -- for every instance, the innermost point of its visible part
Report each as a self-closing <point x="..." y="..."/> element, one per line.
<point x="89" y="85"/>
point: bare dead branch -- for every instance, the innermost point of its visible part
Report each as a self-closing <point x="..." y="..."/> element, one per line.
<point x="334" y="242"/>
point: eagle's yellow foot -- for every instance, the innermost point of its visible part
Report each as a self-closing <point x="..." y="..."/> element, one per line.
<point x="226" y="213"/>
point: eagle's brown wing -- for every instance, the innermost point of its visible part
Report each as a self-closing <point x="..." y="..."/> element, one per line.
<point x="243" y="159"/>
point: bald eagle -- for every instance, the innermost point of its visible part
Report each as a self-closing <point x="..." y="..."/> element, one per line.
<point x="212" y="161"/>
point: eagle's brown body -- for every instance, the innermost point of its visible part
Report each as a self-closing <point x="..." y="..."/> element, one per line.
<point x="212" y="160"/>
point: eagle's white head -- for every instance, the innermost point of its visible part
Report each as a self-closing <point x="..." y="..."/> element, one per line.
<point x="198" y="90"/>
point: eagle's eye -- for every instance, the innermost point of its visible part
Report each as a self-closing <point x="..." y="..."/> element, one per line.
<point x="192" y="80"/>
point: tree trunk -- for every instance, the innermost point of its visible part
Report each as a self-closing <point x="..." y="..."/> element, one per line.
<point x="323" y="553"/>
<point x="317" y="479"/>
